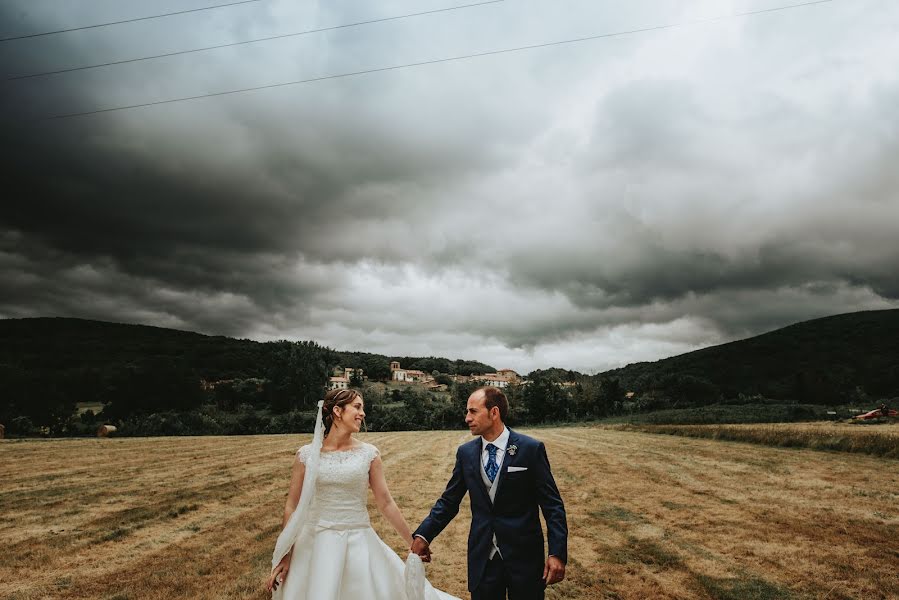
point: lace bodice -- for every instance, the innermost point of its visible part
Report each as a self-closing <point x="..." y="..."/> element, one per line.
<point x="341" y="491"/>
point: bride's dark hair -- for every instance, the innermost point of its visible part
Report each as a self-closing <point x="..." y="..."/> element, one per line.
<point x="333" y="399"/>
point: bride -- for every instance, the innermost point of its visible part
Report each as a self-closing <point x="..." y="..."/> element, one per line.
<point x="328" y="549"/>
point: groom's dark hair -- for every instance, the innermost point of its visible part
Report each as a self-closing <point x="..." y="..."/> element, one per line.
<point x="495" y="397"/>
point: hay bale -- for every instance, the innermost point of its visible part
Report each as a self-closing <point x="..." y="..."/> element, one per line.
<point x="105" y="430"/>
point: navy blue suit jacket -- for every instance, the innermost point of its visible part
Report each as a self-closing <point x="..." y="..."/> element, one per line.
<point x="513" y="516"/>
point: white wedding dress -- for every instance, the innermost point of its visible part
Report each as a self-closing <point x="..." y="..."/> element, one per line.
<point x="345" y="559"/>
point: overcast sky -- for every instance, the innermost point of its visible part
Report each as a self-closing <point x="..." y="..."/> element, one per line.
<point x="584" y="205"/>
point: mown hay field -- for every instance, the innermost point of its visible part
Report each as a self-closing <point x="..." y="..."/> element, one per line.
<point x="651" y="516"/>
<point x="880" y="439"/>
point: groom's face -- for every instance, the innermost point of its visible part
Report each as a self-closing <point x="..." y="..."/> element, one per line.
<point x="477" y="417"/>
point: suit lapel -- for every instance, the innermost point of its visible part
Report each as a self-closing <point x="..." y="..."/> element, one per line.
<point x="513" y="441"/>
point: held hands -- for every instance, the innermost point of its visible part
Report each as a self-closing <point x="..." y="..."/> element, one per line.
<point x="422" y="548"/>
<point x="279" y="573"/>
<point x="554" y="571"/>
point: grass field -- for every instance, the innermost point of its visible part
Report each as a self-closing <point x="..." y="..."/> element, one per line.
<point x="760" y="412"/>
<point x="651" y="516"/>
<point x="879" y="440"/>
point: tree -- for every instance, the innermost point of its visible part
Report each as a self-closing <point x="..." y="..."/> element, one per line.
<point x="443" y="379"/>
<point x="416" y="410"/>
<point x="610" y="398"/>
<point x="155" y="384"/>
<point x="226" y="397"/>
<point x="378" y="371"/>
<point x="459" y="394"/>
<point x="298" y="374"/>
<point x="587" y="398"/>
<point x="33" y="400"/>
<point x="814" y="387"/>
<point x="544" y="399"/>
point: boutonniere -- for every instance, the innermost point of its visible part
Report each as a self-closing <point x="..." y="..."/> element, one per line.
<point x="512" y="450"/>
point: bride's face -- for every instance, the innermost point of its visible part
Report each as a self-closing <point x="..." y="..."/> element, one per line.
<point x="351" y="415"/>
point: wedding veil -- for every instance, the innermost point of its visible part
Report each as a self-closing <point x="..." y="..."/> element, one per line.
<point x="300" y="524"/>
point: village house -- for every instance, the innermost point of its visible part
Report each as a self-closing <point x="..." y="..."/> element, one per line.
<point x="408" y="375"/>
<point x="500" y="379"/>
<point x="510" y="375"/>
<point x="342" y="378"/>
<point x="338" y="383"/>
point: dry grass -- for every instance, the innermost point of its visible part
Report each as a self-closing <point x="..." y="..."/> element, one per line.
<point x="878" y="440"/>
<point x="651" y="516"/>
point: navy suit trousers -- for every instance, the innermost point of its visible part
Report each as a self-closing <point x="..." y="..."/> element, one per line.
<point x="496" y="583"/>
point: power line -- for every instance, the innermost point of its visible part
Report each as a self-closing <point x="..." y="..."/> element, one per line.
<point x="180" y="12"/>
<point x="440" y="60"/>
<point x="255" y="40"/>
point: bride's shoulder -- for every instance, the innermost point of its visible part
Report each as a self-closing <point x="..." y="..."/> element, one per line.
<point x="303" y="453"/>
<point x="371" y="450"/>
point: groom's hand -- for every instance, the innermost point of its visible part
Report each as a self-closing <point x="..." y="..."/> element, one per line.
<point x="422" y="548"/>
<point x="554" y="571"/>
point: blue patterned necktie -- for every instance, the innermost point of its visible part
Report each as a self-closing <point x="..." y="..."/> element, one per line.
<point x="491" y="467"/>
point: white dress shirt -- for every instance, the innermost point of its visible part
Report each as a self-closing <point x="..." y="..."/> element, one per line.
<point x="501" y="442"/>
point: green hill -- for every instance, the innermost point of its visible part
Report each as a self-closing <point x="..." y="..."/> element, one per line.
<point x="55" y="343"/>
<point x="48" y="365"/>
<point x="65" y="344"/>
<point x="822" y="361"/>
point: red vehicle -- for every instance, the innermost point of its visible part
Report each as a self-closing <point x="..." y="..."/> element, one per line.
<point x="878" y="413"/>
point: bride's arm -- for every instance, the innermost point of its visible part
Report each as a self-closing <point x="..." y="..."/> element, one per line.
<point x="279" y="573"/>
<point x="385" y="502"/>
<point x="296" y="489"/>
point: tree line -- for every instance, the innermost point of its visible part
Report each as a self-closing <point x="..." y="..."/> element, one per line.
<point x="148" y="380"/>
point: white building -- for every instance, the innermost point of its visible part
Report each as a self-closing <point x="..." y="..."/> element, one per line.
<point x="492" y="379"/>
<point x="408" y="375"/>
<point x="339" y="383"/>
<point x="342" y="378"/>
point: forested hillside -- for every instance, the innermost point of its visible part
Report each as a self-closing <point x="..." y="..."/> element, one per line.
<point x="150" y="380"/>
<point x="822" y="361"/>
<point x="47" y="365"/>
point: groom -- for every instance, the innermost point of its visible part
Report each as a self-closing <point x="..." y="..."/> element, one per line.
<point x="507" y="476"/>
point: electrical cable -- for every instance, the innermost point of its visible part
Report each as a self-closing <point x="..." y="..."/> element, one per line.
<point x="437" y="61"/>
<point x="171" y="14"/>
<point x="253" y="41"/>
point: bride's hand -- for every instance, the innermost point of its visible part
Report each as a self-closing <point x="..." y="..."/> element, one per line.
<point x="279" y="574"/>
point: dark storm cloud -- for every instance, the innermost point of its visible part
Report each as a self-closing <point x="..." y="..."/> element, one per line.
<point x="281" y="178"/>
<point x="586" y="205"/>
<point x="240" y="205"/>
